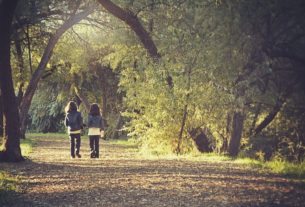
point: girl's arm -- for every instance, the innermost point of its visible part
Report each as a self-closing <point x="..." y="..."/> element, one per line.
<point x="66" y="121"/>
<point x="102" y="124"/>
<point x="80" y="119"/>
<point x="89" y="121"/>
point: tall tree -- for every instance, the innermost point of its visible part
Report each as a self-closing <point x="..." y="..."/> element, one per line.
<point x="1" y="116"/>
<point x="30" y="91"/>
<point x="11" y="146"/>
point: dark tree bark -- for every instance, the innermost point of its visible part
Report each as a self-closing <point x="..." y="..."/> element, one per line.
<point x="104" y="104"/>
<point x="237" y="129"/>
<point x="185" y="109"/>
<point x="20" y="61"/>
<point x="1" y="116"/>
<point x="11" y="145"/>
<point x="133" y="22"/>
<point x="202" y="139"/>
<point x="226" y="135"/>
<point x="269" y="118"/>
<point x="178" y="149"/>
<point x="30" y="91"/>
<point x="83" y="98"/>
<point x="258" y="109"/>
<point x="277" y="107"/>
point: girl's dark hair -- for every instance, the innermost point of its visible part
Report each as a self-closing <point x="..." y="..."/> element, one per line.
<point x="71" y="106"/>
<point x="95" y="110"/>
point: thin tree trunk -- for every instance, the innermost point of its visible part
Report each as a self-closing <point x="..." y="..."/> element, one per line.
<point x="29" y="48"/>
<point x="256" y="113"/>
<point x="104" y="104"/>
<point x="272" y="114"/>
<point x="11" y="140"/>
<point x="237" y="129"/>
<point x="178" y="150"/>
<point x="30" y="91"/>
<point x="269" y="118"/>
<point x="20" y="66"/>
<point x="83" y="98"/>
<point x="224" y="147"/>
<point x="115" y="134"/>
<point x="1" y="116"/>
<point x="258" y="110"/>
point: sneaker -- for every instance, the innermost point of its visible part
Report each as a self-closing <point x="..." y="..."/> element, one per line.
<point x="78" y="155"/>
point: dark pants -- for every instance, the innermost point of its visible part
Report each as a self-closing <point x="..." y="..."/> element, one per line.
<point x="94" y="146"/>
<point x="74" y="139"/>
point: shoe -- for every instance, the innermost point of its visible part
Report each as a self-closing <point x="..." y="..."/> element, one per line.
<point x="78" y="155"/>
<point x="92" y="156"/>
<point x="72" y="156"/>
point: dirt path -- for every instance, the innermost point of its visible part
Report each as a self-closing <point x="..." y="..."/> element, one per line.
<point x="119" y="178"/>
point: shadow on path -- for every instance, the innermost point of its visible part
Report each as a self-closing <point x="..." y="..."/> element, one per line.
<point x="121" y="179"/>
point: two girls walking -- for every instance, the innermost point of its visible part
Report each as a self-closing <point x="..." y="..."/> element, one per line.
<point x="74" y="123"/>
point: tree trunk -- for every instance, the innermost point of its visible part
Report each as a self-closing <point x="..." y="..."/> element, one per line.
<point x="225" y="143"/>
<point x="83" y="98"/>
<point x="30" y="91"/>
<point x="104" y="104"/>
<point x="115" y="134"/>
<point x="11" y="140"/>
<point x="133" y="22"/>
<point x="178" y="149"/>
<point x="237" y="129"/>
<point x="1" y="116"/>
<point x="278" y="106"/>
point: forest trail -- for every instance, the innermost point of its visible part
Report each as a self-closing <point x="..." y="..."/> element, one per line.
<point x="120" y="178"/>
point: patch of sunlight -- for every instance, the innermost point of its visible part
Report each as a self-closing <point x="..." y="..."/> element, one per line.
<point x="26" y="146"/>
<point x="124" y="142"/>
<point x="295" y="170"/>
<point x="7" y="183"/>
<point x="8" y="188"/>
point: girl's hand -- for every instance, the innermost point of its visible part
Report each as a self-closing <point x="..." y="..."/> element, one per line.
<point x="102" y="133"/>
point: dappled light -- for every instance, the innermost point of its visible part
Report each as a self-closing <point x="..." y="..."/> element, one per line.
<point x="122" y="178"/>
<point x="152" y="103"/>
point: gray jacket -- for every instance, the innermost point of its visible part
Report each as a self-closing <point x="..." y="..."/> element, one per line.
<point x="95" y="122"/>
<point x="74" y="120"/>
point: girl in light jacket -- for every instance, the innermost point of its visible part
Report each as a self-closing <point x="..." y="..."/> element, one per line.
<point x="96" y="129"/>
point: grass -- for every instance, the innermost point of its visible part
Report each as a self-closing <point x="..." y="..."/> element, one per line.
<point x="284" y="168"/>
<point x="295" y="170"/>
<point x="8" y="188"/>
<point x="123" y="142"/>
<point x="292" y="170"/>
<point x="9" y="183"/>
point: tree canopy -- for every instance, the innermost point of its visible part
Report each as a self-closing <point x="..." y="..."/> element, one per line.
<point x="175" y="76"/>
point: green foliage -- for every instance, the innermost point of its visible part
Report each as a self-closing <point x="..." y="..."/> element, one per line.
<point x="26" y="146"/>
<point x="8" y="188"/>
<point x="47" y="111"/>
<point x="217" y="58"/>
<point x="295" y="170"/>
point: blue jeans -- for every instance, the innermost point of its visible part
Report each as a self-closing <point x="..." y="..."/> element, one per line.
<point x="94" y="146"/>
<point x="74" y="140"/>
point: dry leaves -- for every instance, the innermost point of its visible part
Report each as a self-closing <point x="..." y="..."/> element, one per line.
<point x="119" y="178"/>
